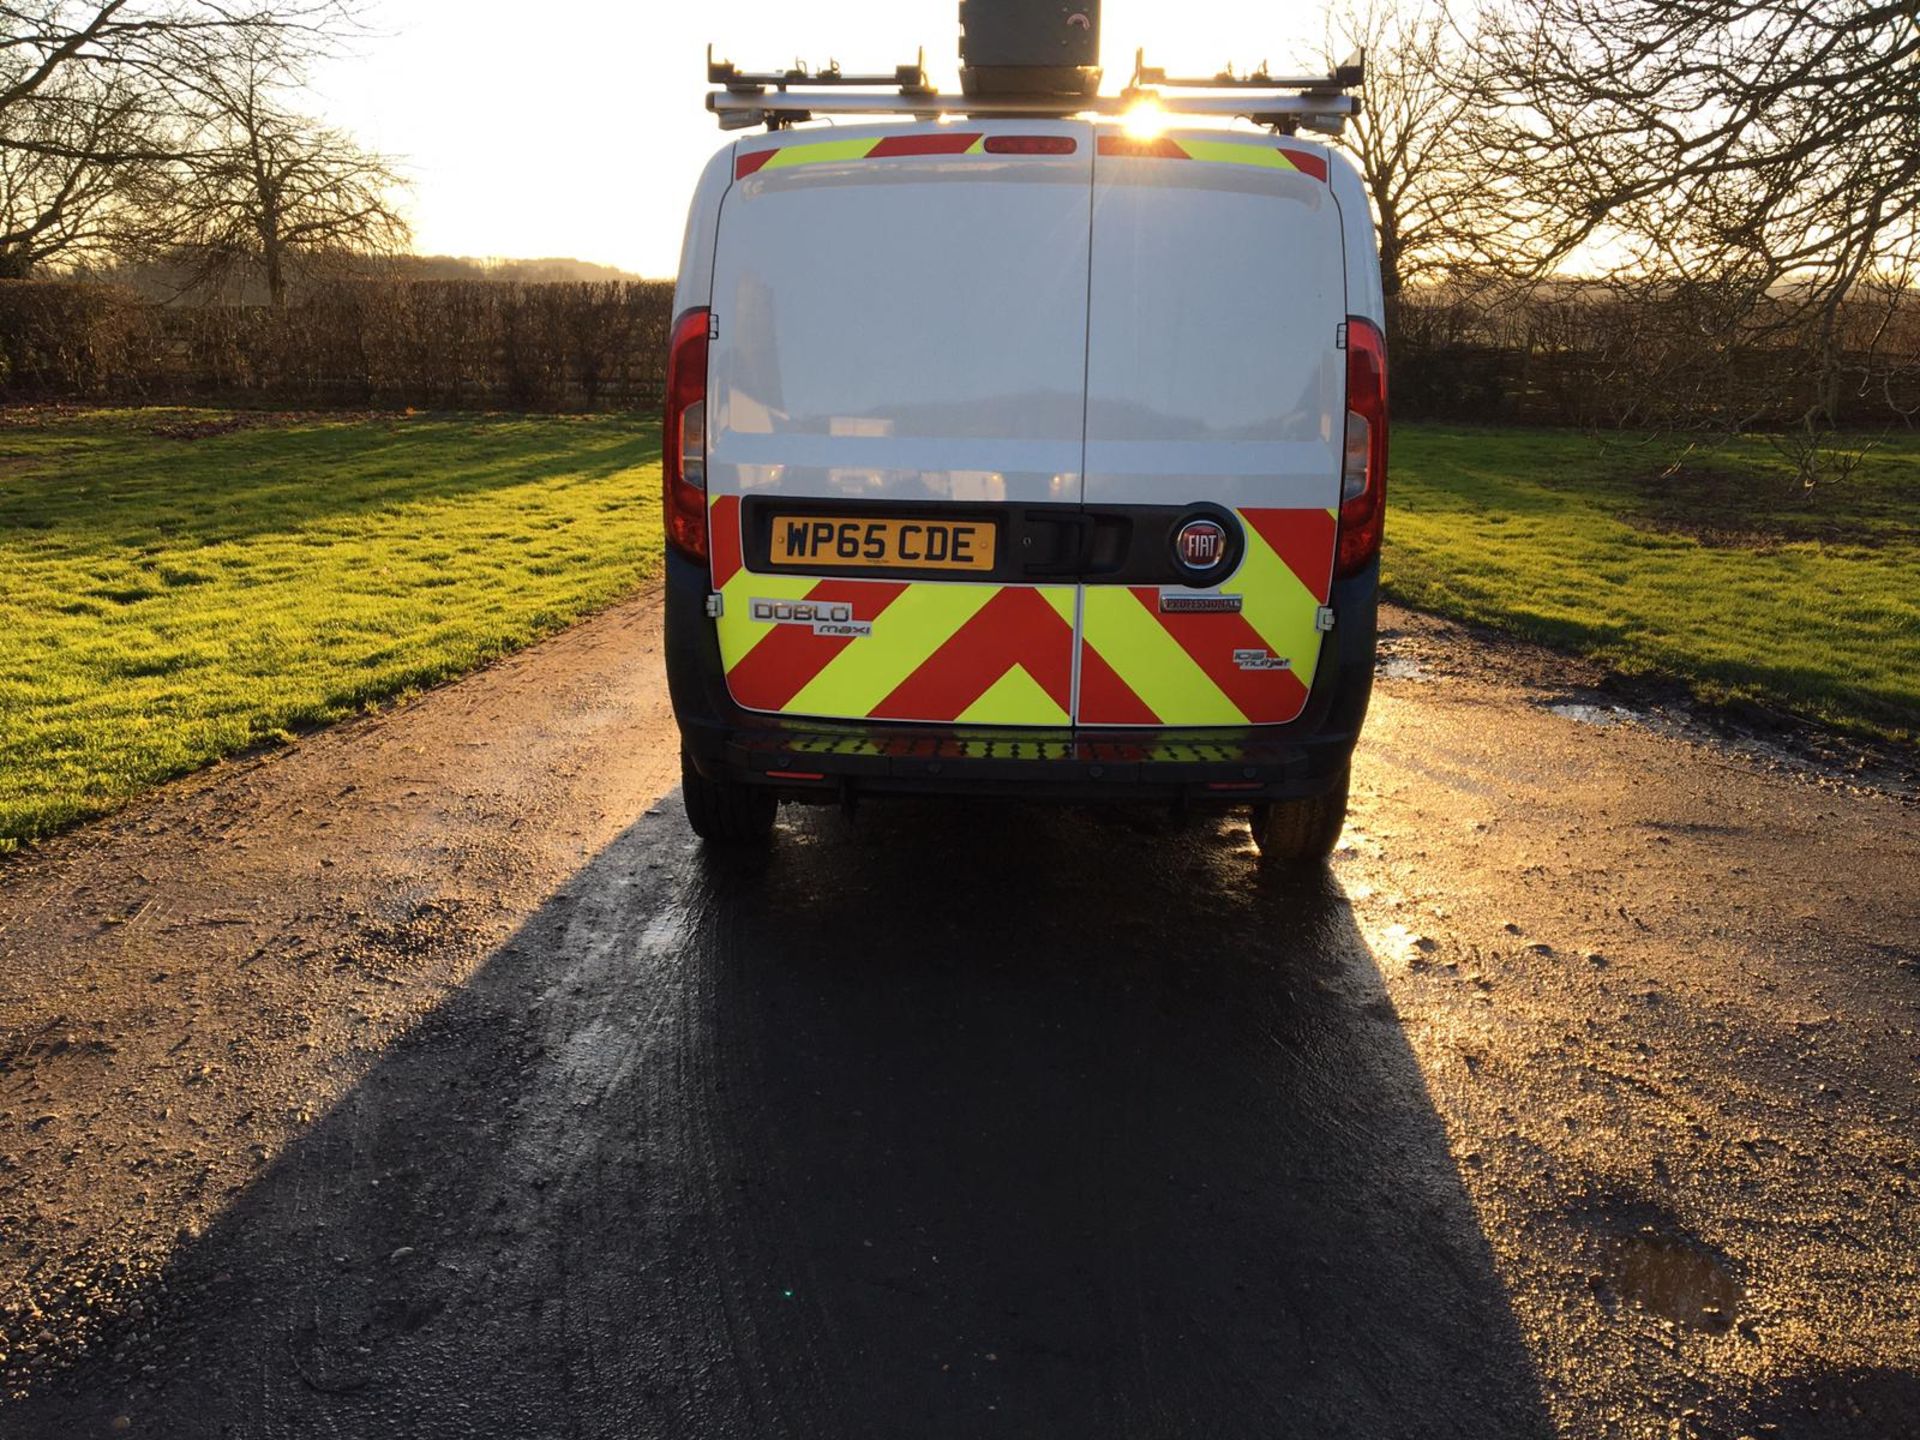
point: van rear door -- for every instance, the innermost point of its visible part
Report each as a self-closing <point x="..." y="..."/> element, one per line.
<point x="1215" y="393"/>
<point x="895" y="404"/>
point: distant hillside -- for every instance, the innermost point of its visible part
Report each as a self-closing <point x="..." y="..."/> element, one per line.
<point x="167" y="283"/>
<point x="527" y="272"/>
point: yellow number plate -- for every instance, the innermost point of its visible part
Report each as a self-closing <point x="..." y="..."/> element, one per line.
<point x="835" y="542"/>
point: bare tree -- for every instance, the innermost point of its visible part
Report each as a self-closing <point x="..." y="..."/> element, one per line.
<point x="57" y="200"/>
<point x="1412" y="141"/>
<point x="96" y="95"/>
<point x="267" y="190"/>
<point x="1764" y="150"/>
<point x="156" y="45"/>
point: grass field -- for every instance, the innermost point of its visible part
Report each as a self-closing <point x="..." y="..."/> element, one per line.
<point x="179" y="586"/>
<point x="1710" y="576"/>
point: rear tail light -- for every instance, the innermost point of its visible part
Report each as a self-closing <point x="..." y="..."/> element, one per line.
<point x="684" y="436"/>
<point x="1363" y="473"/>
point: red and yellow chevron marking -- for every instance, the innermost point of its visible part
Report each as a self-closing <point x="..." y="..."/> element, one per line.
<point x="1020" y="629"/>
<point x="944" y="142"/>
<point x="1261" y="153"/>
<point x="1141" y="667"/>
<point x="987" y="654"/>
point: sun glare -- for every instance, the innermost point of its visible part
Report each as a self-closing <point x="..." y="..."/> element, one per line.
<point x="1145" y="121"/>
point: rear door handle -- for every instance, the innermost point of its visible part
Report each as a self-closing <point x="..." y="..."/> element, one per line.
<point x="1074" y="561"/>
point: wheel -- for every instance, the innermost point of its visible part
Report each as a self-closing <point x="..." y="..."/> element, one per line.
<point x="725" y="812"/>
<point x="1302" y="832"/>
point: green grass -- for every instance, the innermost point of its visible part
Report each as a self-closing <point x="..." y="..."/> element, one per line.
<point x="1710" y="577"/>
<point x="166" y="601"/>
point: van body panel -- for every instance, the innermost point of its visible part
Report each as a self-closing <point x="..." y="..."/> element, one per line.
<point x="1365" y="297"/>
<point x="906" y="324"/>
<point x="1146" y="663"/>
<point x="1215" y="377"/>
<point x="693" y="284"/>
<point x="902" y="325"/>
<point x="1213" y="368"/>
<point x="909" y="330"/>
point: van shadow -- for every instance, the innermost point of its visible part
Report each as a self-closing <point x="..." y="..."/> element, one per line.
<point x="953" y="1121"/>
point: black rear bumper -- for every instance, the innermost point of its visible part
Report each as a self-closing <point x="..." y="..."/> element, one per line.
<point x="829" y="760"/>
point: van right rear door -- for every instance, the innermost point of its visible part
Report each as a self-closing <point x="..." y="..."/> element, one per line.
<point x="1215" y="406"/>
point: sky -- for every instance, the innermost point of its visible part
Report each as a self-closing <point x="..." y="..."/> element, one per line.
<point x="578" y="127"/>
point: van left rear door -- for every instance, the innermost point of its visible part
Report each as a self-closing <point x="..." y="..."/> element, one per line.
<point x="896" y="391"/>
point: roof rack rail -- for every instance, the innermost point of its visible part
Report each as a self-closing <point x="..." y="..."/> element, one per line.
<point x="1285" y="103"/>
<point x="1349" y="74"/>
<point x="908" y="79"/>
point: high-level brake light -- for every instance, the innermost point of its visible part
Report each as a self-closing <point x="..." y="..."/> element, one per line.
<point x="1030" y="145"/>
<point x="684" y="437"/>
<point x="1146" y="120"/>
<point x="1363" y="475"/>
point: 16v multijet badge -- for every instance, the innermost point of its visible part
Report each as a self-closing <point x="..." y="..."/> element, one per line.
<point x="1260" y="660"/>
<point x="832" y="618"/>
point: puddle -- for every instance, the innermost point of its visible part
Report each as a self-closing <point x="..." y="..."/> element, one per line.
<point x="1601" y="715"/>
<point x="1399" y="667"/>
<point x="1679" y="1280"/>
<point x="1796" y="748"/>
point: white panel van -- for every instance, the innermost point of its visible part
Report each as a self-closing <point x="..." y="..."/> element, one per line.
<point x="1025" y="456"/>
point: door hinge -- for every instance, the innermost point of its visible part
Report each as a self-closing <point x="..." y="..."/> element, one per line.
<point x="1323" y="619"/>
<point x="716" y="605"/>
<point x="713" y="327"/>
<point x="1340" y="336"/>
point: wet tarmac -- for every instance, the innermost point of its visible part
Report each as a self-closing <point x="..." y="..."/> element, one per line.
<point x="430" y="1080"/>
<point x="950" y="1123"/>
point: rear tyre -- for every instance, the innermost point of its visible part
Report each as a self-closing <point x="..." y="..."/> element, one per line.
<point x="726" y="812"/>
<point x="1302" y="832"/>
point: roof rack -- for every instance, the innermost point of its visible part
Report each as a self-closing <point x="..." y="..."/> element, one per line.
<point x="1349" y="74"/>
<point x="1284" y="102"/>
<point x="910" y="79"/>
